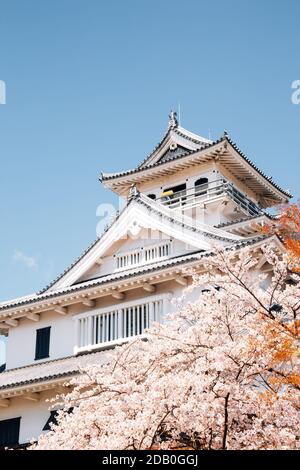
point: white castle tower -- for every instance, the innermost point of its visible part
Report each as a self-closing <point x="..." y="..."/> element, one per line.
<point x="187" y="196"/>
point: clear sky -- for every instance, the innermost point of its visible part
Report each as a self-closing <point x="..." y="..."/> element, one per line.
<point x="89" y="88"/>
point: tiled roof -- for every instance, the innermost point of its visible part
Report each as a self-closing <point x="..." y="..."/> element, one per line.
<point x="161" y="142"/>
<point x="183" y="134"/>
<point x="172" y="218"/>
<point x="111" y="176"/>
<point x="92" y="244"/>
<point x="85" y="252"/>
<point x="165" y="138"/>
<point x="269" y="178"/>
<point x="244" y="219"/>
<point x="49" y="370"/>
<point x="130" y="273"/>
<point x="176" y="153"/>
<point x="69" y="366"/>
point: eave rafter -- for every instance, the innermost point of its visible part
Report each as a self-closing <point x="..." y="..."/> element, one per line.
<point x="87" y="299"/>
<point x="4" y="402"/>
<point x="224" y="152"/>
<point x="148" y="282"/>
<point x="32" y="392"/>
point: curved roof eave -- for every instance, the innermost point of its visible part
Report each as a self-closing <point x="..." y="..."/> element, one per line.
<point x="172" y="262"/>
<point x="111" y="177"/>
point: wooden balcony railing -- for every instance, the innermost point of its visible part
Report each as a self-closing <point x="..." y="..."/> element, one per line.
<point x="209" y="191"/>
<point x="143" y="255"/>
<point x="107" y="327"/>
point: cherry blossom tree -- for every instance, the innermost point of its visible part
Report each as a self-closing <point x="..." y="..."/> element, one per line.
<point x="287" y="226"/>
<point x="214" y="376"/>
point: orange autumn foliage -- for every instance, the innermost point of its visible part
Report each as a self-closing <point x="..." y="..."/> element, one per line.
<point x="281" y="343"/>
<point x="287" y="226"/>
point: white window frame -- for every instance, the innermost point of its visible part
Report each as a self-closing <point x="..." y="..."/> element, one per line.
<point x="165" y="298"/>
<point x="141" y="253"/>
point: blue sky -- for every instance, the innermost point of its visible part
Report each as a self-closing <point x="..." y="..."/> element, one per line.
<point x="89" y="87"/>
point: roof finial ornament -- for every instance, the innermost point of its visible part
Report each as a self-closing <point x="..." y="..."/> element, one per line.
<point x="133" y="192"/>
<point x="225" y="134"/>
<point x="173" y="122"/>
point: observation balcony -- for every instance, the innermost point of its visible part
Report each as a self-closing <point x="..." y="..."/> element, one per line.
<point x="208" y="192"/>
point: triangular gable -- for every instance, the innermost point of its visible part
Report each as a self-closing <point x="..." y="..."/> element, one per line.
<point x="136" y="250"/>
<point x="174" y="151"/>
<point x="143" y="214"/>
<point x="176" y="142"/>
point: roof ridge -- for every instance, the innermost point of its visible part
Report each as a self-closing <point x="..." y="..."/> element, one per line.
<point x="99" y="280"/>
<point x="59" y="276"/>
<point x="196" y="141"/>
<point x="46" y="362"/>
<point x="242" y="219"/>
<point x="168" y="131"/>
<point x="39" y="379"/>
<point x="248" y="160"/>
<point x="94" y="242"/>
<point x="108" y="176"/>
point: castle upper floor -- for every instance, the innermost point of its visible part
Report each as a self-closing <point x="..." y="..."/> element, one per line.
<point x="185" y="171"/>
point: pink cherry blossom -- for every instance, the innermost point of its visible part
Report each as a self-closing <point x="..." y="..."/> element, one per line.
<point x="211" y="377"/>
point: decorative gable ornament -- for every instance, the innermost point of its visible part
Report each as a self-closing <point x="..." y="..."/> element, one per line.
<point x="173" y="122"/>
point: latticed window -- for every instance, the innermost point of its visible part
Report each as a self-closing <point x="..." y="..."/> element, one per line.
<point x="143" y="255"/>
<point x="110" y="326"/>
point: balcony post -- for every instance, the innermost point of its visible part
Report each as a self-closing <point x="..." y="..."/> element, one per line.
<point x="151" y="313"/>
<point x="90" y="331"/>
<point x="143" y="255"/>
<point x="77" y="336"/>
<point x="120" y="323"/>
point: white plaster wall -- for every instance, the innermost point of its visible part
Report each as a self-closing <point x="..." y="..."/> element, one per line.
<point x="34" y="416"/>
<point x="212" y="171"/>
<point x="22" y="339"/>
<point x="189" y="177"/>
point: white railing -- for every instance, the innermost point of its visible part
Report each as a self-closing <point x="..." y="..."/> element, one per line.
<point x="107" y="327"/>
<point x="155" y="252"/>
<point x="128" y="259"/>
<point x="182" y="218"/>
<point x="143" y="255"/>
<point x="208" y="191"/>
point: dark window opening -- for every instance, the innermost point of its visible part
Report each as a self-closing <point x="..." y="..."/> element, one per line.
<point x="201" y="186"/>
<point x="42" y="343"/>
<point x="53" y="418"/>
<point x="9" y="432"/>
<point x="175" y="194"/>
<point x="152" y="196"/>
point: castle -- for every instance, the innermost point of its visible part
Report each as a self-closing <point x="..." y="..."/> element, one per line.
<point x="189" y="195"/>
